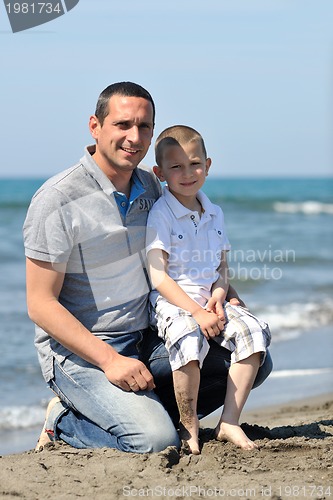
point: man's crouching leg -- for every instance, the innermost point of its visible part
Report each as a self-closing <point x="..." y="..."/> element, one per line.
<point x="47" y="434"/>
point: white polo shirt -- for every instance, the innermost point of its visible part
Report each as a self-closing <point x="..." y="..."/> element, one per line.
<point x="194" y="244"/>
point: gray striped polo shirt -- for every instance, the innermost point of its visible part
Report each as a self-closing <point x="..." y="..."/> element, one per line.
<point x="73" y="219"/>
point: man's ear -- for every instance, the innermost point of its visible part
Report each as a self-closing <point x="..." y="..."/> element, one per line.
<point x="159" y="173"/>
<point x="208" y="164"/>
<point x="94" y="126"/>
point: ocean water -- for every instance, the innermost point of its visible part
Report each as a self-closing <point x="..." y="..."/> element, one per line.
<point x="281" y="263"/>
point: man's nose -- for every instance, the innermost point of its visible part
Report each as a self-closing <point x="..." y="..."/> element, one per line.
<point x="133" y="134"/>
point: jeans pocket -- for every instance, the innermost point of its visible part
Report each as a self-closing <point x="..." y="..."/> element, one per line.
<point x="54" y="387"/>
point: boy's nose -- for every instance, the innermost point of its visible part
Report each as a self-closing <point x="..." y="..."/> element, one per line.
<point x="187" y="172"/>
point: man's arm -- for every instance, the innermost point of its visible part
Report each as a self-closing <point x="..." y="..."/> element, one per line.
<point x="44" y="284"/>
<point x="233" y="297"/>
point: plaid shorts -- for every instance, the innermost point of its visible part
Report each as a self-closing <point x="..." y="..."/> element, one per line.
<point x="243" y="335"/>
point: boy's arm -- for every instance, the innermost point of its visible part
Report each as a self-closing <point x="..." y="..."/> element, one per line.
<point x="220" y="289"/>
<point x="173" y="293"/>
<point x="44" y="284"/>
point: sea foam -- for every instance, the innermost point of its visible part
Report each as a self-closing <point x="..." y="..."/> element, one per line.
<point x="306" y="207"/>
<point x="290" y="320"/>
<point x="21" y="417"/>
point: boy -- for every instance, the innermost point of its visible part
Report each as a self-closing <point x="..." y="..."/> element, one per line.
<point x="186" y="252"/>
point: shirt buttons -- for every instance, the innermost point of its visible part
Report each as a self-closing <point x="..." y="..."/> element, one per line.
<point x="180" y="236"/>
<point x="123" y="203"/>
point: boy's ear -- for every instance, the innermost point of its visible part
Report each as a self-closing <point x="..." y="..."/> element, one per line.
<point x="208" y="164"/>
<point x="159" y="173"/>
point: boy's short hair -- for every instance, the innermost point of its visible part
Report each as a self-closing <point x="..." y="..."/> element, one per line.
<point x="176" y="136"/>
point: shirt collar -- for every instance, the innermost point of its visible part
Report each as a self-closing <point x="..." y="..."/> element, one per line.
<point x="102" y="179"/>
<point x="180" y="211"/>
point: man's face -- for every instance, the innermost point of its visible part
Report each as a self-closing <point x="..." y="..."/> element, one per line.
<point x="125" y="136"/>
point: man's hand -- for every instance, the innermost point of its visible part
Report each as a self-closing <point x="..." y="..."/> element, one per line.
<point x="235" y="302"/>
<point x="129" y="374"/>
<point x="209" y="323"/>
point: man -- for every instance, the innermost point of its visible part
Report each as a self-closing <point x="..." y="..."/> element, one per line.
<point x="87" y="291"/>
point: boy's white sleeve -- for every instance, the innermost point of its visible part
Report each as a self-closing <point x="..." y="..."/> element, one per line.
<point x="225" y="241"/>
<point x="158" y="234"/>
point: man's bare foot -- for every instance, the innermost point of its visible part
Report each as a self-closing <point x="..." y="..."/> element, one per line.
<point x="234" y="434"/>
<point x="44" y="437"/>
<point x="190" y="435"/>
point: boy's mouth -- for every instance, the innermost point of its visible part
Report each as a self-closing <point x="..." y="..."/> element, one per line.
<point x="186" y="184"/>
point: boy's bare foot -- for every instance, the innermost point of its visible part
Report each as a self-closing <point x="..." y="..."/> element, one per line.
<point x="44" y="437"/>
<point x="190" y="435"/>
<point x="234" y="434"/>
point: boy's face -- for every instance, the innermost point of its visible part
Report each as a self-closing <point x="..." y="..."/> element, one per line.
<point x="184" y="168"/>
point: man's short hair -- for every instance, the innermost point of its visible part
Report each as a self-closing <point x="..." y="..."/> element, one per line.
<point x="176" y="136"/>
<point x="126" y="89"/>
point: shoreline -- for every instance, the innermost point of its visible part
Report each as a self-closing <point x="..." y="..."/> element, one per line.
<point x="20" y="441"/>
<point x="294" y="459"/>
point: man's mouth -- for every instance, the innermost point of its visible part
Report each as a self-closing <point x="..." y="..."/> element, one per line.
<point x="131" y="151"/>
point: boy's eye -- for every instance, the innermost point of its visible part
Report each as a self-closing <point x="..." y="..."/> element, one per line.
<point x="175" y="166"/>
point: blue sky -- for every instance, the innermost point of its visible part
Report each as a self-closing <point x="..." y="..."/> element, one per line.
<point x="253" y="76"/>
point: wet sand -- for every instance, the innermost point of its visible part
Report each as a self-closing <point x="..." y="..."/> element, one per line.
<point x="294" y="459"/>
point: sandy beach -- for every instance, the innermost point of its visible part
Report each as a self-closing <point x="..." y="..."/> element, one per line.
<point x="294" y="460"/>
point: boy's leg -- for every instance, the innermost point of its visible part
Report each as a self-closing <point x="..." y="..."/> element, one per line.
<point x="214" y="375"/>
<point x="247" y="338"/>
<point x="187" y="348"/>
<point x="240" y="382"/>
<point x="186" y="381"/>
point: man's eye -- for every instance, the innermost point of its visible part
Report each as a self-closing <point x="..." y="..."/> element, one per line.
<point x="123" y="125"/>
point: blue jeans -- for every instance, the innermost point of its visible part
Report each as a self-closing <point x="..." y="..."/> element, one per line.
<point x="94" y="413"/>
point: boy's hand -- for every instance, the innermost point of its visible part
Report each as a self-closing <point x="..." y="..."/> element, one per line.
<point x="209" y="323"/>
<point x="215" y="305"/>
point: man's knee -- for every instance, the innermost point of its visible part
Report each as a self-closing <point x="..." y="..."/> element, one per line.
<point x="164" y="438"/>
<point x="152" y="440"/>
<point x="264" y="370"/>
